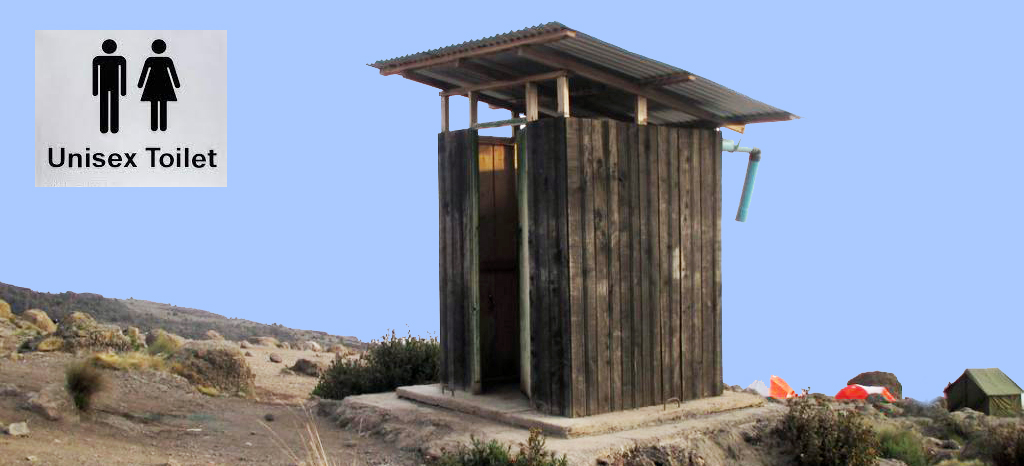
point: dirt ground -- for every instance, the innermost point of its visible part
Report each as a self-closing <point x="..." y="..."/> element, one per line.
<point x="154" y="418"/>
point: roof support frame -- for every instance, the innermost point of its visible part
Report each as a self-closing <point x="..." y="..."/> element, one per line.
<point x="540" y="39"/>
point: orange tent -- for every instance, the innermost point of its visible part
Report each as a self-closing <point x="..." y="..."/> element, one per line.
<point x="780" y="389"/>
<point x="860" y="392"/>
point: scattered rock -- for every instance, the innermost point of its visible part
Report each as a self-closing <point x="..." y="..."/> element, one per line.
<point x="155" y="335"/>
<point x="31" y="459"/>
<point x="214" y="335"/>
<point x="312" y="346"/>
<point x="269" y="417"/>
<point x="214" y="364"/>
<point x="307" y="367"/>
<point x="50" y="343"/>
<point x="50" y="402"/>
<point x="338" y="349"/>
<point x="284" y="345"/>
<point x="248" y="354"/>
<point x="81" y="332"/>
<point x="9" y="389"/>
<point x="274" y="357"/>
<point x="287" y="371"/>
<point x="18" y="429"/>
<point x="264" y="341"/>
<point x="5" y="311"/>
<point x="40" y="320"/>
<point x="879" y="379"/>
<point x="244" y="345"/>
<point x="136" y="337"/>
<point x="889" y="462"/>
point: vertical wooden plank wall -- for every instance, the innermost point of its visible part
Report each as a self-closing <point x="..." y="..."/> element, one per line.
<point x="639" y="261"/>
<point x="458" y="199"/>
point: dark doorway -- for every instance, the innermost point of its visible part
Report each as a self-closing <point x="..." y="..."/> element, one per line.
<point x="499" y="284"/>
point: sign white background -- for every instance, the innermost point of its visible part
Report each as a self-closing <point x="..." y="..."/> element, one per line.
<point x="67" y="114"/>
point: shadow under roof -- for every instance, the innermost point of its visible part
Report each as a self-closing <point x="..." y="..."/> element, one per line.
<point x="604" y="79"/>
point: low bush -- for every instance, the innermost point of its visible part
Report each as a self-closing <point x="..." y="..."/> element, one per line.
<point x="128" y="361"/>
<point x="1007" y="445"/>
<point x="903" y="445"/>
<point x="164" y="343"/>
<point x="387" y="364"/>
<point x="822" y="436"/>
<point x="83" y="380"/>
<point x="492" y="453"/>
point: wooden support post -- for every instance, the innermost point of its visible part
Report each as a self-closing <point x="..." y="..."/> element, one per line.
<point x="444" y="114"/>
<point x="562" y="84"/>
<point x="515" y="128"/>
<point x="532" y="113"/>
<point x="472" y="109"/>
<point x="641" y="110"/>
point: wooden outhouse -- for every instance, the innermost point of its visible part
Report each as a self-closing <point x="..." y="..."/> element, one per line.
<point x="580" y="259"/>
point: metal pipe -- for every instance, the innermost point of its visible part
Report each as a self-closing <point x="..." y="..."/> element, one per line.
<point x="748" y="181"/>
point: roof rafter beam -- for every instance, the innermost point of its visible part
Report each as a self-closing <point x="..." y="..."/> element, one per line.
<point x="510" y="105"/>
<point x="507" y="83"/>
<point x="541" y="39"/>
<point x="576" y="67"/>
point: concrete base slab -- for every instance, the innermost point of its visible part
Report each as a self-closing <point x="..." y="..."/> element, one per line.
<point x="716" y="430"/>
<point x="513" y="408"/>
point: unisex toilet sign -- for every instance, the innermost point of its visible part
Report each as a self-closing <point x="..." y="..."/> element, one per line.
<point x="131" y="108"/>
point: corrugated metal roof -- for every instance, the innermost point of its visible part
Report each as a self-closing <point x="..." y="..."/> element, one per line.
<point x="993" y="382"/>
<point x="724" y="104"/>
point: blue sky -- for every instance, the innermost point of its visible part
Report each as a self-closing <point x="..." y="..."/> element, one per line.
<point x="882" y="234"/>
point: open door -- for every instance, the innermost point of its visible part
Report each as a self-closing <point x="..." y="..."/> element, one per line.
<point x="499" y="290"/>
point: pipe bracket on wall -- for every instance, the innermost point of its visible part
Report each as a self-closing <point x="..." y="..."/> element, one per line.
<point x="748" y="181"/>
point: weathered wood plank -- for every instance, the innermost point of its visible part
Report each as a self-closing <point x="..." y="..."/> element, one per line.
<point x="532" y="106"/>
<point x="442" y="255"/>
<point x="589" y="263"/>
<point x="523" y="264"/>
<point x="458" y="310"/>
<point x="562" y="264"/>
<point x="646" y="314"/>
<point x="695" y="297"/>
<point x="444" y="114"/>
<point x="717" y="216"/>
<point x="551" y="259"/>
<point x="577" y="298"/>
<point x="659" y="233"/>
<point x="674" y="254"/>
<point x="614" y="274"/>
<point x="542" y="142"/>
<point x="627" y="164"/>
<point x="707" y="260"/>
<point x="491" y="85"/>
<point x="473" y="261"/>
<point x="686" y="283"/>
<point x="599" y="195"/>
<point x="497" y="124"/>
<point x="536" y="338"/>
<point x="562" y="94"/>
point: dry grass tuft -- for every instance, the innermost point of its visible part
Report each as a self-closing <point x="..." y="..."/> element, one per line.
<point x="83" y="380"/>
<point x="313" y="453"/>
<point x="128" y="361"/>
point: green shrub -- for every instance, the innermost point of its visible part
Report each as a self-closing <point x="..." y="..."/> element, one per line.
<point x="822" y="436"/>
<point x="492" y="453"/>
<point x="83" y="380"/>
<point x="1007" y="445"/>
<point x="903" y="445"/>
<point x="164" y="344"/>
<point x="387" y="364"/>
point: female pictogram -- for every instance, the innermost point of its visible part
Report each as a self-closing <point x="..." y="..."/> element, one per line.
<point x="160" y="80"/>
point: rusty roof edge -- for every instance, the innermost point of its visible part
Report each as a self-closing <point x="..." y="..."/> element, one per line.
<point x="496" y="40"/>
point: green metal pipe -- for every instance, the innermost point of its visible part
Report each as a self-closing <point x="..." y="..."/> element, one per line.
<point x="748" y="182"/>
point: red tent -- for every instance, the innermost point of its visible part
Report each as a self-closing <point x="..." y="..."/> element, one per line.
<point x="860" y="392"/>
<point x="780" y="389"/>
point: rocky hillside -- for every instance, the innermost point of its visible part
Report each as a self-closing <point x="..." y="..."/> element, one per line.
<point x="147" y="316"/>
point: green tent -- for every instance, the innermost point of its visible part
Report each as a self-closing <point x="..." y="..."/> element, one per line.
<point x="986" y="390"/>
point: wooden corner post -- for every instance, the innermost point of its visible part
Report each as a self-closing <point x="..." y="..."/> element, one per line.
<point x="641" y="110"/>
<point x="532" y="110"/>
<point x="444" y="114"/>
<point x="562" y="84"/>
<point x="473" y="96"/>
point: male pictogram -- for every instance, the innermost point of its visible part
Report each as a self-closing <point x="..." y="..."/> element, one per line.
<point x="160" y="79"/>
<point x="108" y="80"/>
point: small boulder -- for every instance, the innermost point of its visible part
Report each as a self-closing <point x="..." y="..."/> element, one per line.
<point x="284" y="345"/>
<point x="269" y="417"/>
<point x="244" y="345"/>
<point x="81" y="332"/>
<point x="312" y="346"/>
<point x="18" y="429"/>
<point x="307" y="367"/>
<point x="50" y="402"/>
<point x="338" y="349"/>
<point x="214" y="335"/>
<point x="5" y="311"/>
<point x="879" y="379"/>
<point x="248" y="354"/>
<point x="175" y="341"/>
<point x="50" y="343"/>
<point x="40" y="320"/>
<point x="274" y="357"/>
<point x="9" y="389"/>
